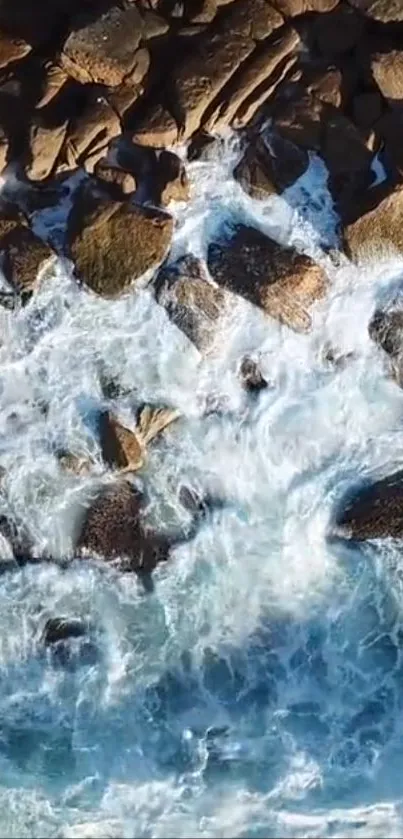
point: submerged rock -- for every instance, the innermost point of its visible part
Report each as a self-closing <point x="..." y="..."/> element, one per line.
<point x="61" y="629"/>
<point x="126" y="449"/>
<point x="373" y="512"/>
<point x="251" y="376"/>
<point x="277" y="279"/>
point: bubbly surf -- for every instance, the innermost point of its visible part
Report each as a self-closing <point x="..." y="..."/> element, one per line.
<point x="257" y="691"/>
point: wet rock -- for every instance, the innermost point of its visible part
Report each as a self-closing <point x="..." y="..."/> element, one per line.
<point x="191" y="301"/>
<point x="171" y="181"/>
<point x="203" y="146"/>
<point x="23" y="254"/>
<point x="103" y="50"/>
<point x="152" y="421"/>
<point x="386" y="329"/>
<point x="326" y="85"/>
<point x="387" y="70"/>
<point x="202" y="75"/>
<point x="61" y="629"/>
<point x="376" y="227"/>
<point x="121" y="447"/>
<point x="383" y="11"/>
<point x="275" y="278"/>
<point x="270" y="166"/>
<point x="113" y="244"/>
<point x="292" y="8"/>
<point x="251" y="376"/>
<point x="12" y="49"/>
<point x="119" y="182"/>
<point x="373" y="512"/>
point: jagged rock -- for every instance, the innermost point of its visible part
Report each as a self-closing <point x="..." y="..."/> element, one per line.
<point x="387" y="70"/>
<point x="275" y="278"/>
<point x="339" y="31"/>
<point x="383" y="11"/>
<point x="89" y="135"/>
<point x="203" y="147"/>
<point x="113" y="244"/>
<point x="292" y="8"/>
<point x="121" y="448"/>
<point x="373" y="512"/>
<point x="254" y="82"/>
<point x="61" y="629"/>
<point x="202" y="75"/>
<point x="103" y="50"/>
<point x="123" y="97"/>
<point x="12" y="49"/>
<point x="191" y="301"/>
<point x="172" y="183"/>
<point x="376" y="227"/>
<point x="44" y="148"/>
<point x="119" y="183"/>
<point x="157" y="128"/>
<point x="23" y="254"/>
<point x="251" y="376"/>
<point x="270" y="167"/>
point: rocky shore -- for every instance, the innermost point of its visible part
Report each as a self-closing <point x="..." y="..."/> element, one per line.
<point x="104" y="102"/>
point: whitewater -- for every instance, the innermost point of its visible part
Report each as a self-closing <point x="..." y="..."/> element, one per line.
<point x="257" y="691"/>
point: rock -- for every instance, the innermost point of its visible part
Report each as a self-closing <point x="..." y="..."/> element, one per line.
<point x="121" y="448"/>
<point x="89" y="136"/>
<point x="275" y="278"/>
<point x="300" y="121"/>
<point x="61" y="629"/>
<point x="154" y="26"/>
<point x="270" y="166"/>
<point x="376" y="228"/>
<point x="260" y="72"/>
<point x="157" y="128"/>
<point x="12" y="49"/>
<point x="55" y="79"/>
<point x="103" y="50"/>
<point x="387" y="70"/>
<point x="203" y="11"/>
<point x="152" y="421"/>
<point x="172" y="183"/>
<point x="191" y="301"/>
<point x="119" y="183"/>
<point x="44" y="148"/>
<point x="202" y="75"/>
<point x="367" y="108"/>
<point x="326" y="86"/>
<point x="383" y="11"/>
<point x="114" y="244"/>
<point x="292" y="8"/>
<point x="73" y="463"/>
<point x="386" y="329"/>
<point x="23" y="254"/>
<point x="202" y="147"/>
<point x="374" y="511"/>
<point x="338" y="31"/>
<point x="251" y="377"/>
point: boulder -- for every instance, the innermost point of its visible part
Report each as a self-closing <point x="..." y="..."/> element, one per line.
<point x="251" y="376"/>
<point x="23" y="254"/>
<point x="201" y="11"/>
<point x="44" y="146"/>
<point x="300" y="121"/>
<point x="382" y="11"/>
<point x="326" y="85"/>
<point x="277" y="279"/>
<point x="386" y="329"/>
<point x="62" y="629"/>
<point x="157" y="128"/>
<point x="374" y="511"/>
<point x="376" y="228"/>
<point x="118" y="182"/>
<point x="270" y="166"/>
<point x="121" y="448"/>
<point x="201" y="76"/>
<point x="170" y="178"/>
<point x="191" y="301"/>
<point x="292" y="8"/>
<point x="89" y="135"/>
<point x="154" y="25"/>
<point x="387" y="70"/>
<point x="54" y="79"/>
<point x="103" y="50"/>
<point x="12" y="49"/>
<point x="114" y="243"/>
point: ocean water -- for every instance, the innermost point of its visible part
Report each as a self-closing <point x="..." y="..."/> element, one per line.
<point x="257" y="692"/>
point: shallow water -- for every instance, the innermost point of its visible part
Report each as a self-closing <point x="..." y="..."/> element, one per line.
<point x="257" y="692"/>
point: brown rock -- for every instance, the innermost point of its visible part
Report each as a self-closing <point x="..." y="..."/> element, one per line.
<point x="252" y="75"/>
<point x="119" y="182"/>
<point x="259" y="96"/>
<point x="157" y="128"/>
<point x="292" y="8"/>
<point x="384" y="11"/>
<point x="300" y="121"/>
<point x="112" y="527"/>
<point x="270" y="167"/>
<point x="23" y="254"/>
<point x="154" y="25"/>
<point x="89" y="135"/>
<point x="44" y="148"/>
<point x="203" y="74"/>
<point x="12" y="49"/>
<point x="275" y="278"/>
<point x="172" y="183"/>
<point x="55" y="79"/>
<point x="374" y="511"/>
<point x="203" y="11"/>
<point x="386" y="329"/>
<point x="114" y="244"/>
<point x="377" y="229"/>
<point x="103" y="51"/>
<point x="191" y="301"/>
<point x="387" y="69"/>
<point x="327" y="86"/>
<point x="152" y="421"/>
<point x="121" y="448"/>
